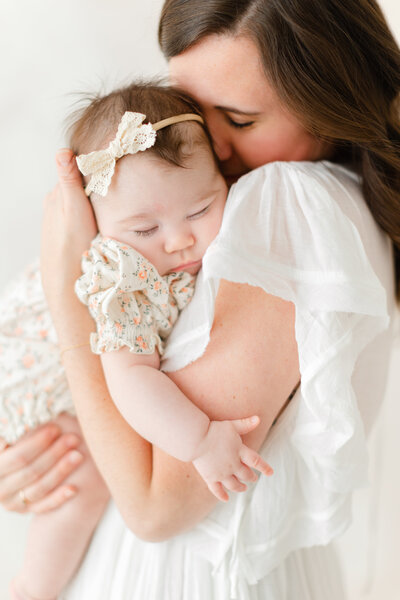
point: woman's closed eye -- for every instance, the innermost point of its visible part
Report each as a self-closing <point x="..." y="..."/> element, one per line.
<point x="239" y="125"/>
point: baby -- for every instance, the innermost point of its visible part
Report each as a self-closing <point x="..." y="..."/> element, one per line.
<point x="157" y="213"/>
<point x="158" y="198"/>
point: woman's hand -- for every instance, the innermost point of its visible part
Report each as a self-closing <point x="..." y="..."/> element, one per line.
<point x="33" y="470"/>
<point x="68" y="228"/>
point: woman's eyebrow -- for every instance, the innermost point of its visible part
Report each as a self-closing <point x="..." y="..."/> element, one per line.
<point x="237" y="111"/>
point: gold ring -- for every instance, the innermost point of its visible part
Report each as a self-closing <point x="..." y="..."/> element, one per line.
<point x="22" y="496"/>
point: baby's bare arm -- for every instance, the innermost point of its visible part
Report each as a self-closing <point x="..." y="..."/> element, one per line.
<point x="157" y="409"/>
<point x="152" y="404"/>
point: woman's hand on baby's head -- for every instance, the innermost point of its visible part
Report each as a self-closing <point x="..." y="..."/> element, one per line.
<point x="68" y="228"/>
<point x="224" y="461"/>
<point x="32" y="471"/>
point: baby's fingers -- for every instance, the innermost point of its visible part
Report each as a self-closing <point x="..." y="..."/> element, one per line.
<point x="245" y="425"/>
<point x="244" y="473"/>
<point x="255" y="461"/>
<point x="217" y="489"/>
<point x="232" y="483"/>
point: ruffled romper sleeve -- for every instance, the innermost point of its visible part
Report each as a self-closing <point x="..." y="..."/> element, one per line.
<point x="33" y="386"/>
<point x="131" y="303"/>
<point x="285" y="230"/>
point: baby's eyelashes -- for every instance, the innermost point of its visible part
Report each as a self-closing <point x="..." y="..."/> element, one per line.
<point x="145" y="232"/>
<point x="199" y="213"/>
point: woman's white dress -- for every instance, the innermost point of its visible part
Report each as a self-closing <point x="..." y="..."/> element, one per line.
<point x="303" y="232"/>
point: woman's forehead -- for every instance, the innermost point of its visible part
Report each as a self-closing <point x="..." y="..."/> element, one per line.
<point x="223" y="70"/>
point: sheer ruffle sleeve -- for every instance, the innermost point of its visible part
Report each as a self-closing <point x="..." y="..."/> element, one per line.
<point x="130" y="302"/>
<point x="284" y="230"/>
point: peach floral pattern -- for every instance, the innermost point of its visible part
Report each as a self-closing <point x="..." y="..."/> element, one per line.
<point x="131" y="303"/>
<point x="33" y="386"/>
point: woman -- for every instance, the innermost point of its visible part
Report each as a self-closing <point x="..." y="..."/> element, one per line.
<point x="294" y="81"/>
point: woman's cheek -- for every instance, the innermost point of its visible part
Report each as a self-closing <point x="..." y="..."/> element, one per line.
<point x="259" y="152"/>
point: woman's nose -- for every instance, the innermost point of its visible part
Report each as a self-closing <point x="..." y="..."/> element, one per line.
<point x="220" y="138"/>
<point x="178" y="240"/>
<point x="222" y="149"/>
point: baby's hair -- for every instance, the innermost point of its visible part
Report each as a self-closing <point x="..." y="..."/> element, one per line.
<point x="95" y="125"/>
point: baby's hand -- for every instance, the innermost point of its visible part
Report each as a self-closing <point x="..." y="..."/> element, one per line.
<point x="224" y="461"/>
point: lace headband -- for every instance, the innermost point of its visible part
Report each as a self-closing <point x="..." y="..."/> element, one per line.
<point x="132" y="136"/>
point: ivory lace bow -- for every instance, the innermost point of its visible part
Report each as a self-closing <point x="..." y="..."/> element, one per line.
<point x="132" y="136"/>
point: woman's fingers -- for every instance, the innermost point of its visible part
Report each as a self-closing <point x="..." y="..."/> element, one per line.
<point x="72" y="195"/>
<point x="67" y="169"/>
<point x="22" y="478"/>
<point x="53" y="500"/>
<point x="56" y="498"/>
<point x="41" y="491"/>
<point x="252" y="459"/>
<point x="32" y="470"/>
<point x="16" y="457"/>
<point x="53" y="477"/>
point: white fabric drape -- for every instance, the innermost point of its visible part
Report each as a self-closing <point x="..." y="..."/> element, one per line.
<point x="302" y="232"/>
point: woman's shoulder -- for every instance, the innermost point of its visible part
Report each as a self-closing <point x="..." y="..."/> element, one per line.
<point x="296" y="229"/>
<point x="306" y="168"/>
<point x="286" y="203"/>
<point x="299" y="198"/>
<point x="299" y="178"/>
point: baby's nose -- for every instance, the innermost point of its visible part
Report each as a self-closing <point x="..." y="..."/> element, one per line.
<point x="179" y="240"/>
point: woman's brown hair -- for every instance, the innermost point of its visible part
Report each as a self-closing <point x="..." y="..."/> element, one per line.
<point x="334" y="64"/>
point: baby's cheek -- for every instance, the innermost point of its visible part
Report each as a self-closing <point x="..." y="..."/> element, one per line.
<point x="214" y="227"/>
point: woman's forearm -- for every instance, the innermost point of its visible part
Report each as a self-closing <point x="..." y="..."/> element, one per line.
<point x="115" y="447"/>
<point x="153" y="491"/>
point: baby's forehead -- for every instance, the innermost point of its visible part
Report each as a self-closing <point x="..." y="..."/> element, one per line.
<point x="146" y="183"/>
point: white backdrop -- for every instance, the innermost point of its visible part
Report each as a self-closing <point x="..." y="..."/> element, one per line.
<point x="49" y="50"/>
